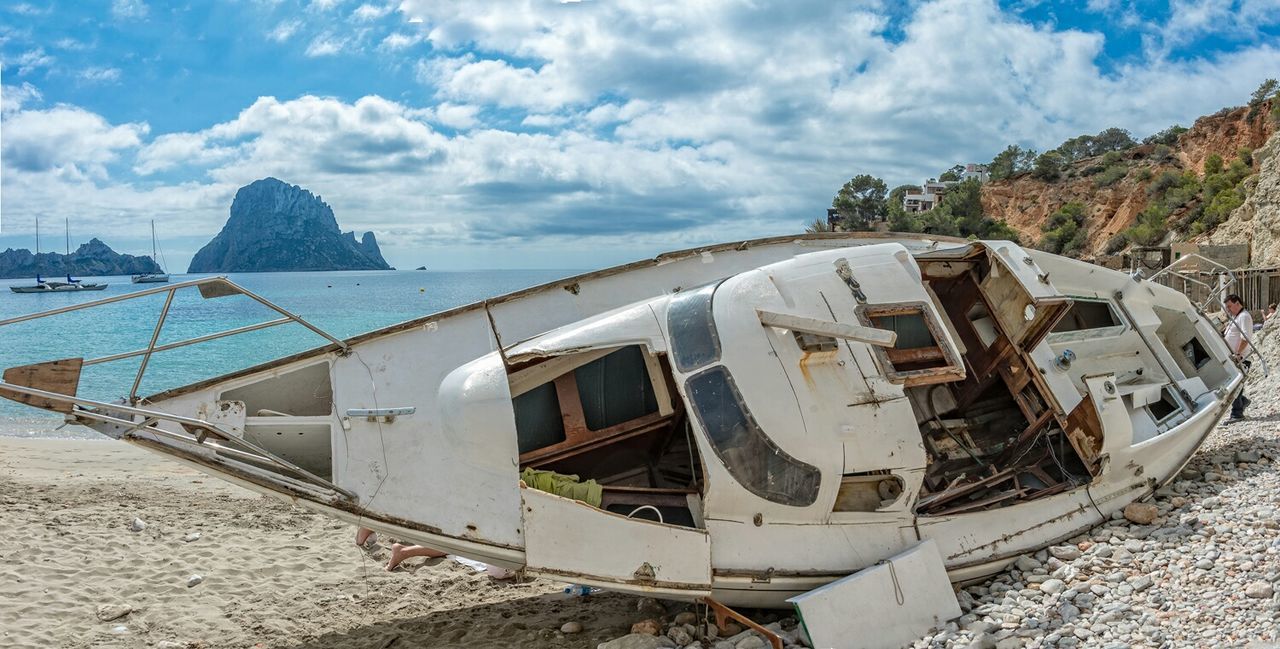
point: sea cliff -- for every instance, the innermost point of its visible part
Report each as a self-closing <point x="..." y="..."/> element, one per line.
<point x="275" y="226"/>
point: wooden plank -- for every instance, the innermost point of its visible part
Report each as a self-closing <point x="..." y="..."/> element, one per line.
<point x="868" y="335"/>
<point x="61" y="376"/>
<point x="575" y="421"/>
<point x="916" y="355"/>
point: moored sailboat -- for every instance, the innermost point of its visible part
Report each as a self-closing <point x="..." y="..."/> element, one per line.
<point x="152" y="278"/>
<point x="53" y="286"/>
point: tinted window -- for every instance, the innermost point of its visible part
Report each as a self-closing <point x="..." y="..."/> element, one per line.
<point x="694" y="342"/>
<point x="615" y="389"/>
<point x="751" y="457"/>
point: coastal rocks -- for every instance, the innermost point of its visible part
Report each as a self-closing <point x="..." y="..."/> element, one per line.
<point x="90" y="259"/>
<point x="647" y="627"/>
<point x="1259" y="590"/>
<point x="194" y="536"/>
<point x="571" y="627"/>
<point x="109" y="612"/>
<point x="1141" y="513"/>
<point x="194" y="580"/>
<point x="1065" y="552"/>
<point x="275" y="226"/>
<point x="137" y="525"/>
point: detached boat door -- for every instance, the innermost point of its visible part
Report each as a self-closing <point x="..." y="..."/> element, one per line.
<point x="573" y="541"/>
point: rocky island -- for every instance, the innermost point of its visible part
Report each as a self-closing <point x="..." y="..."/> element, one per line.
<point x="275" y="226"/>
<point x="89" y="260"/>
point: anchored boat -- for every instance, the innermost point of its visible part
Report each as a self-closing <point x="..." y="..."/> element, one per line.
<point x="54" y="286"/>
<point x="761" y="418"/>
<point x="152" y="278"/>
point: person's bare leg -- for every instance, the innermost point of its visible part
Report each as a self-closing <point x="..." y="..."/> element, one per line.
<point x="400" y="552"/>
<point x="363" y="535"/>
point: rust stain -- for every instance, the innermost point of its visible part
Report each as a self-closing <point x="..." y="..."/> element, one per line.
<point x="804" y="369"/>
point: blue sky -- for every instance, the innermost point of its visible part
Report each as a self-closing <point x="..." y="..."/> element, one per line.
<point x="569" y="134"/>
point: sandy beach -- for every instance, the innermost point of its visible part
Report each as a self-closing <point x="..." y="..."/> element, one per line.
<point x="273" y="575"/>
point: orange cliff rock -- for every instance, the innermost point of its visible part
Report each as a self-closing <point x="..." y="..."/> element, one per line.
<point x="1025" y="202"/>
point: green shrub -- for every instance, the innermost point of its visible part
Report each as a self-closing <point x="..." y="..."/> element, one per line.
<point x="1115" y="244"/>
<point x="1162" y="151"/>
<point x="1111" y="175"/>
<point x="1213" y="164"/>
<point x="1143" y="175"/>
<point x="1092" y="169"/>
<point x="1111" y="157"/>
<point x="1064" y="231"/>
<point x="1150" y="227"/>
<point x="1048" y="166"/>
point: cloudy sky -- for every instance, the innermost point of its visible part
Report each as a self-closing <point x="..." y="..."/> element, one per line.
<point x="545" y="134"/>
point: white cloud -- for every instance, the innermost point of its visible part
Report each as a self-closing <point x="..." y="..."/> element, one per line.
<point x="399" y="41"/>
<point x="369" y="12"/>
<point x="129" y="9"/>
<point x="285" y="30"/>
<point x="99" y="75"/>
<point x="33" y="60"/>
<point x="326" y="44"/>
<point x="657" y="124"/>
<point x="66" y="141"/>
<point x="325" y="5"/>
<point x="28" y="9"/>
<point x="15" y="97"/>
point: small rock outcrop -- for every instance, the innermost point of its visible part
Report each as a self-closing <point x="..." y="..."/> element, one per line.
<point x="89" y="260"/>
<point x="275" y="226"/>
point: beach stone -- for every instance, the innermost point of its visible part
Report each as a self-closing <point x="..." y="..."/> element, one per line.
<point x="686" y="617"/>
<point x="679" y="636"/>
<point x="1026" y="564"/>
<point x="638" y="641"/>
<point x="137" y="525"/>
<point x="731" y="629"/>
<point x="983" y="640"/>
<point x="109" y="612"/>
<point x="194" y="536"/>
<point x="647" y="627"/>
<point x="1052" y="586"/>
<point x="571" y="627"/>
<point x="171" y="644"/>
<point x="1141" y="513"/>
<point x="751" y="642"/>
<point x="650" y="606"/>
<point x="194" y="580"/>
<point x="1259" y="590"/>
<point x="1065" y="552"/>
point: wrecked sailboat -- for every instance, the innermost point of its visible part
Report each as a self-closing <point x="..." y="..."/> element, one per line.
<point x="762" y="418"/>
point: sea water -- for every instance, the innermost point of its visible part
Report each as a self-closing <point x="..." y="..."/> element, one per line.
<point x="342" y="303"/>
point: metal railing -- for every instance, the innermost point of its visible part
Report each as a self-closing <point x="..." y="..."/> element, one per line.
<point x="210" y="287"/>
<point x="195" y="433"/>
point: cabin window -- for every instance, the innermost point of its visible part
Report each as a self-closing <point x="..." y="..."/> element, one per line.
<point x="1195" y="353"/>
<point x="539" y="422"/>
<point x="694" y="340"/>
<point x="749" y="455"/>
<point x="1166" y="407"/>
<point x="920" y="353"/>
<point x="1091" y="318"/>
<point x="615" y="389"/>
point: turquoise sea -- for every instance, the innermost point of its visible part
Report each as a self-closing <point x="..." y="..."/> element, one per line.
<point x="342" y="303"/>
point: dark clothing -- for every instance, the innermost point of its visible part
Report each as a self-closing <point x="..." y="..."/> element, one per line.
<point x="1241" y="402"/>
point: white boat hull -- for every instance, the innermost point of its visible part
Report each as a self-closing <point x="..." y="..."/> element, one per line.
<point x="474" y="392"/>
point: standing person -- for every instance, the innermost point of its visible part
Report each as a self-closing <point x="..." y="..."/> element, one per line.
<point x="1238" y="335"/>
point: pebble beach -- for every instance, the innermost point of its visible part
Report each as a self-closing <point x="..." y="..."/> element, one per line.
<point x="105" y="545"/>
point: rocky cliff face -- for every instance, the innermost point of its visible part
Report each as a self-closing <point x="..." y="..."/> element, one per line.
<point x="89" y="260"/>
<point x="1025" y="202"/>
<point x="1257" y="221"/>
<point x="275" y="226"/>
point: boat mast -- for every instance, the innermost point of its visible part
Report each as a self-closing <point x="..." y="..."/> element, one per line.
<point x="153" y="242"/>
<point x="38" y="280"/>
<point x="66" y="229"/>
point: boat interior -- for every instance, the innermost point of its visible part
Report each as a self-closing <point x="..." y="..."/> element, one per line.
<point x="609" y="415"/>
<point x="994" y="432"/>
